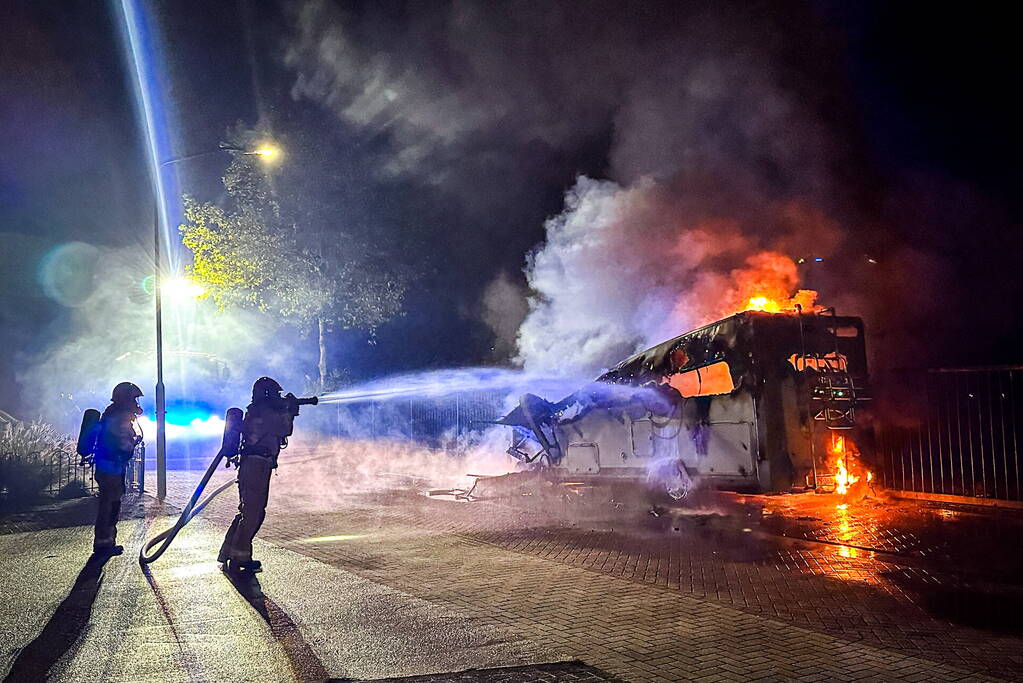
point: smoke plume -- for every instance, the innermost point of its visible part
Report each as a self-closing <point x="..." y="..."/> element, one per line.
<point x="504" y="310"/>
<point x="626" y="267"/>
<point x="719" y="149"/>
<point x="722" y="182"/>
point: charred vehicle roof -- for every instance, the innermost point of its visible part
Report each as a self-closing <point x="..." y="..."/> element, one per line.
<point x="742" y="341"/>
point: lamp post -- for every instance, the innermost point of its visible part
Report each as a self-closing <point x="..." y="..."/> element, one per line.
<point x="266" y="153"/>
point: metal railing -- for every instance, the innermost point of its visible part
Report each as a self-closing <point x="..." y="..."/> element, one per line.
<point x="961" y="433"/>
<point x="64" y="469"/>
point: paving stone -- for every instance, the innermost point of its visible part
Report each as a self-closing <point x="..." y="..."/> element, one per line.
<point x="561" y="671"/>
<point x="602" y="596"/>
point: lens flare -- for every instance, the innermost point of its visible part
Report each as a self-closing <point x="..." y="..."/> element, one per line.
<point x="68" y="274"/>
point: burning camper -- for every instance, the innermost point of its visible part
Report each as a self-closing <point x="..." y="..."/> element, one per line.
<point x="757" y="401"/>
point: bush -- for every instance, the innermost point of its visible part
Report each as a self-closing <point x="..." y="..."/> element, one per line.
<point x="30" y="454"/>
<point x="73" y="489"/>
<point x="22" y="480"/>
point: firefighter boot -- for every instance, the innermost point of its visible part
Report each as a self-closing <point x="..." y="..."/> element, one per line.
<point x="107" y="550"/>
<point x="240" y="568"/>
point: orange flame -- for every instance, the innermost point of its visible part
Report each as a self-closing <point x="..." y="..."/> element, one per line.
<point x="845" y="457"/>
<point x="762" y="303"/>
<point x="806" y="299"/>
<point x="844" y="479"/>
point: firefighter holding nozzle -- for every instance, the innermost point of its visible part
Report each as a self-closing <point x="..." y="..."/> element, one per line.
<point x="267" y="425"/>
<point x="115" y="448"/>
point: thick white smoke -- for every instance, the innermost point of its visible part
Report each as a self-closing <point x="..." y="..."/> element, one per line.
<point x="626" y="267"/>
<point x="504" y="309"/>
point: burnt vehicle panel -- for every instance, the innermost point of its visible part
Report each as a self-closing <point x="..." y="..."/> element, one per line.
<point x="749" y="402"/>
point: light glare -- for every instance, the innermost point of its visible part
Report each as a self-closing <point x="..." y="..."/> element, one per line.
<point x="267" y="152"/>
<point x="181" y="288"/>
<point x="333" y="539"/>
<point x="198" y="428"/>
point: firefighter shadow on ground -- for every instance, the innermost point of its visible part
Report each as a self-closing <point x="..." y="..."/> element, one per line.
<point x="64" y="628"/>
<point x="304" y="662"/>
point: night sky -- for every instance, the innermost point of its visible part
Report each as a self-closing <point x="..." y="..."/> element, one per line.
<point x="922" y="148"/>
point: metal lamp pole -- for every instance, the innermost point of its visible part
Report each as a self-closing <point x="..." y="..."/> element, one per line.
<point x="161" y="392"/>
<point x="266" y="152"/>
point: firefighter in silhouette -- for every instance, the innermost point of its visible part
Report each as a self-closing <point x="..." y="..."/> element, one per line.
<point x="115" y="448"/>
<point x="267" y="425"/>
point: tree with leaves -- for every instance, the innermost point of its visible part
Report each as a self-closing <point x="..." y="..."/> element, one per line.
<point x="287" y="251"/>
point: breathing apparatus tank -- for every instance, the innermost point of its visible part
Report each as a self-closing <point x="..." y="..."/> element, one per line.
<point x="88" y="436"/>
<point x="231" y="444"/>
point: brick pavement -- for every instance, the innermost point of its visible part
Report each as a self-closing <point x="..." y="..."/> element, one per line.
<point x="539" y="673"/>
<point x="630" y="603"/>
<point x="946" y="533"/>
<point x="182" y="620"/>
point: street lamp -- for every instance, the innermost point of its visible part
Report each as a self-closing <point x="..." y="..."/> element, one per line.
<point x="181" y="288"/>
<point x="267" y="153"/>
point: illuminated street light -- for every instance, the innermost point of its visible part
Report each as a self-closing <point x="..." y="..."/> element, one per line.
<point x="181" y="288"/>
<point x="267" y="153"/>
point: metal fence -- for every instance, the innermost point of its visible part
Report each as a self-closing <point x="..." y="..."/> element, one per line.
<point x="65" y="476"/>
<point x="960" y="433"/>
<point x="439" y="423"/>
<point x="64" y="469"/>
<point x="53" y="472"/>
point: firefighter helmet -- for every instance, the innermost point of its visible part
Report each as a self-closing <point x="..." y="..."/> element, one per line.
<point x="125" y="392"/>
<point x="266" y="387"/>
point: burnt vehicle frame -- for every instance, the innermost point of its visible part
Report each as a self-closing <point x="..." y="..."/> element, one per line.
<point x="750" y="402"/>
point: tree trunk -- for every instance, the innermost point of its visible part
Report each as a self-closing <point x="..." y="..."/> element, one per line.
<point x="323" y="354"/>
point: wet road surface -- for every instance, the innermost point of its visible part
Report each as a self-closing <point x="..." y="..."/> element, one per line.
<point x="380" y="581"/>
<point x="184" y="620"/>
<point x="920" y="580"/>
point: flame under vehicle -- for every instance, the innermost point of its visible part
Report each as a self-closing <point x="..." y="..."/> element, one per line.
<point x="753" y="402"/>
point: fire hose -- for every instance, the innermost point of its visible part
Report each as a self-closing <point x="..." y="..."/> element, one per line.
<point x="228" y="449"/>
